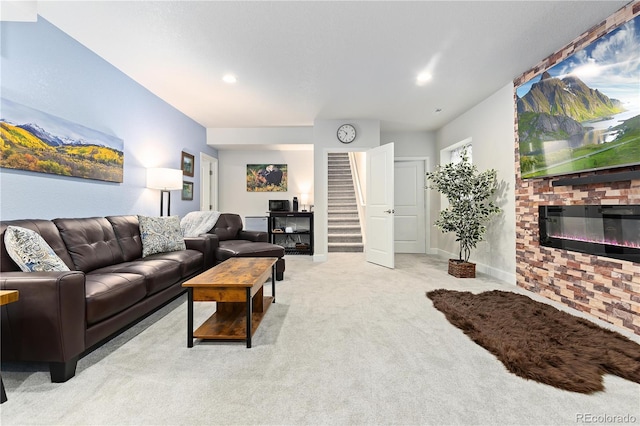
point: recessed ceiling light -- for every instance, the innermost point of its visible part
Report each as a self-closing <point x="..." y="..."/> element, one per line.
<point x="229" y="78"/>
<point x="423" y="78"/>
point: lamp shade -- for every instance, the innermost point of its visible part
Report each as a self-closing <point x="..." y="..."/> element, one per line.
<point x="164" y="179"/>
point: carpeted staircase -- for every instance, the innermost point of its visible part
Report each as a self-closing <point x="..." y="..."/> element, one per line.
<point x="344" y="231"/>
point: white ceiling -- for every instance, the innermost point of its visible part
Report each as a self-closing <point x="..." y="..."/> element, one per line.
<point x="300" y="61"/>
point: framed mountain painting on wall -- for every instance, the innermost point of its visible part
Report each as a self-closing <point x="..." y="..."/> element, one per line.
<point x="35" y="141"/>
<point x="583" y="113"/>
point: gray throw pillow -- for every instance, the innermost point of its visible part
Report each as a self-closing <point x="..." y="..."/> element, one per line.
<point x="160" y="234"/>
<point x="30" y="251"/>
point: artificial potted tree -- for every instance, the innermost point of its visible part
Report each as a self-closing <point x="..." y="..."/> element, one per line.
<point x="470" y="207"/>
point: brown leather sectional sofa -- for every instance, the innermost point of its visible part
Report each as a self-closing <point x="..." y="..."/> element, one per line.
<point x="233" y="241"/>
<point x="62" y="315"/>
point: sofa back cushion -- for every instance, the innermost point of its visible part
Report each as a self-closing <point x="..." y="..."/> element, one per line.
<point x="127" y="232"/>
<point x="228" y="226"/>
<point x="47" y="230"/>
<point x="91" y="242"/>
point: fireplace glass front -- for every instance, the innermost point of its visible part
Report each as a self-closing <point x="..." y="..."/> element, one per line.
<point x="611" y="231"/>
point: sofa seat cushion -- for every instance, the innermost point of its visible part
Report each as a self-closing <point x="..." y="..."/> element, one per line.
<point x="108" y="294"/>
<point x="158" y="273"/>
<point x="243" y="248"/>
<point x="190" y="261"/>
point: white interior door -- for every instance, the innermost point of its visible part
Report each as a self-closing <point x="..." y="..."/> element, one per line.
<point x="379" y="245"/>
<point x="208" y="182"/>
<point x="409" y="222"/>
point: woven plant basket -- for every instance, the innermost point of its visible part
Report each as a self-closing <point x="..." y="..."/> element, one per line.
<point x="462" y="269"/>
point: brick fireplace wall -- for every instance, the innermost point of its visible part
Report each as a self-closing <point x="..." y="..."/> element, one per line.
<point x="606" y="288"/>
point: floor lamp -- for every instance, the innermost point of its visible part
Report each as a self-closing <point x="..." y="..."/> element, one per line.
<point x="165" y="180"/>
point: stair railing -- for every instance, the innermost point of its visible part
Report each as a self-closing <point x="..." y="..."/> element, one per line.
<point x="360" y="199"/>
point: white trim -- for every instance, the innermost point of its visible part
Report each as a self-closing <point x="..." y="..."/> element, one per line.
<point x="360" y="204"/>
<point x="427" y="205"/>
<point x="507" y="277"/>
<point x="320" y="258"/>
<point x="451" y="147"/>
<point x="214" y="164"/>
<point x="354" y="176"/>
<point x="445" y="158"/>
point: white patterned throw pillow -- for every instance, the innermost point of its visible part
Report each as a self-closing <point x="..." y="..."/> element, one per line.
<point x="160" y="234"/>
<point x="30" y="251"/>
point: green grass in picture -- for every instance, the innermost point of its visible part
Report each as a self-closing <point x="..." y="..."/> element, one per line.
<point x="624" y="150"/>
<point x="266" y="177"/>
<point x="621" y="152"/>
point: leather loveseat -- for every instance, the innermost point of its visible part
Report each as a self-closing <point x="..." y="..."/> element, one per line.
<point x="62" y="315"/>
<point x="234" y="241"/>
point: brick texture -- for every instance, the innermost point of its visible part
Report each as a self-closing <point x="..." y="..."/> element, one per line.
<point x="605" y="288"/>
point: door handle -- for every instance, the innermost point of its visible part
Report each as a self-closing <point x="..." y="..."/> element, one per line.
<point x="389" y="211"/>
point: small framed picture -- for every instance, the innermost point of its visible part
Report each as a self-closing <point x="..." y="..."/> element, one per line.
<point x="187" y="190"/>
<point x="187" y="162"/>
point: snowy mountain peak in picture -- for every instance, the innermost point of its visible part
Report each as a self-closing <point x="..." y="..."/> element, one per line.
<point x="583" y="114"/>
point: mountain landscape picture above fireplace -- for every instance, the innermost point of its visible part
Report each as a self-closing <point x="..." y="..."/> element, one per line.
<point x="583" y="113"/>
<point x="611" y="231"/>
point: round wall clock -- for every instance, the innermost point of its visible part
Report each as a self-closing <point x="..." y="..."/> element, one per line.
<point x="346" y="133"/>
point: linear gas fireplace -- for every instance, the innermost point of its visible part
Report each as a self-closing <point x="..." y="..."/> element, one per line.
<point x="611" y="231"/>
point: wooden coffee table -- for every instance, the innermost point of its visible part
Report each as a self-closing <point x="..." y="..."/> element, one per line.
<point x="237" y="286"/>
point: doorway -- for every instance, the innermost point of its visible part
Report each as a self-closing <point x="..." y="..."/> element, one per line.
<point x="410" y="203"/>
<point x="377" y="189"/>
<point x="208" y="182"/>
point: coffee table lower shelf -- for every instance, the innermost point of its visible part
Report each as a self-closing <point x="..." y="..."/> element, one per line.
<point x="229" y="321"/>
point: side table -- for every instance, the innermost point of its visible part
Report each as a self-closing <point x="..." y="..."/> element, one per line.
<point x="6" y="296"/>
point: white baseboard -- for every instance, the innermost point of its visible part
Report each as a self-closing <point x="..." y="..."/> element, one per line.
<point x="444" y="254"/>
<point x="320" y="258"/>
<point x="496" y="273"/>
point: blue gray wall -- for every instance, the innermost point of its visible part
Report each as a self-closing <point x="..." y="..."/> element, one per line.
<point x="43" y="68"/>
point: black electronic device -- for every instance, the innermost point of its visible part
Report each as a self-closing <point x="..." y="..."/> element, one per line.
<point x="279" y="206"/>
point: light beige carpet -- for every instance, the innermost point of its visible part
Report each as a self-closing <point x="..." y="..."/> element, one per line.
<point x="346" y="343"/>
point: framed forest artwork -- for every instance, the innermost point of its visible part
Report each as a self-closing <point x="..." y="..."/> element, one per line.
<point x="187" y="190"/>
<point x="188" y="164"/>
<point x="266" y="177"/>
